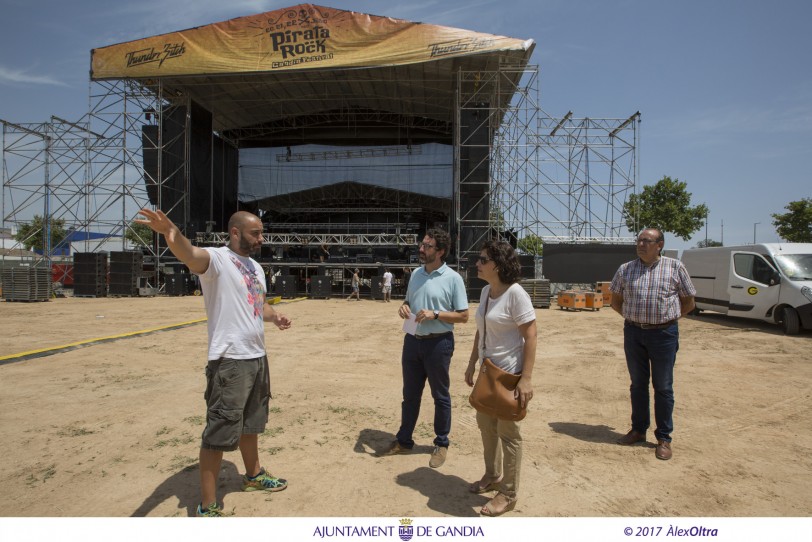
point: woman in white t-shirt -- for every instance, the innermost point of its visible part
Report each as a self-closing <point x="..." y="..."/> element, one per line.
<point x="509" y="340"/>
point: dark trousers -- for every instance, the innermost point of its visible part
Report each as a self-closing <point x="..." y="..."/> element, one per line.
<point x="426" y="359"/>
<point x="650" y="356"/>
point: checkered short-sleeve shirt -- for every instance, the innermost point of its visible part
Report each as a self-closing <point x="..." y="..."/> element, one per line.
<point x="651" y="293"/>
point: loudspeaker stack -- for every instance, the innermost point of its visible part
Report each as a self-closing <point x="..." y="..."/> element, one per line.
<point x="285" y="286"/>
<point x="321" y="286"/>
<point x="90" y="274"/>
<point x="475" y="285"/>
<point x="126" y="268"/>
<point x="528" y="263"/>
<point x="377" y="287"/>
<point x="177" y="284"/>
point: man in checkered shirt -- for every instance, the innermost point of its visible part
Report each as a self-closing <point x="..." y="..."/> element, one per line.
<point x="651" y="293"/>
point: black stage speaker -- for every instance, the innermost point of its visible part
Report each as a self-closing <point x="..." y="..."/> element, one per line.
<point x="170" y="145"/>
<point x="528" y="263"/>
<point x="88" y="286"/>
<point x="212" y="164"/>
<point x="124" y="284"/>
<point x="475" y="285"/>
<point x="90" y="274"/>
<point x="285" y="286"/>
<point x="321" y="286"/>
<point x="474" y="177"/>
<point x="127" y="257"/>
<point x="177" y="284"/>
<point x="90" y="261"/>
<point x="126" y="268"/>
<point x="377" y="287"/>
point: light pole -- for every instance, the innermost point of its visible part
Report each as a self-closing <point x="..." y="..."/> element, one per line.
<point x="707" y="212"/>
<point x="754" y="231"/>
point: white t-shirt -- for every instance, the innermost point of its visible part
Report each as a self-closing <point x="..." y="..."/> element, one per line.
<point x="387" y="279"/>
<point x="234" y="291"/>
<point x="504" y="344"/>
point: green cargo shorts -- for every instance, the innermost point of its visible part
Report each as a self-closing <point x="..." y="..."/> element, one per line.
<point x="237" y="395"/>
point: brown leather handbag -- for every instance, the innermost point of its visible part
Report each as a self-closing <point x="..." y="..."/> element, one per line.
<point x="493" y="393"/>
<point x="494" y="387"/>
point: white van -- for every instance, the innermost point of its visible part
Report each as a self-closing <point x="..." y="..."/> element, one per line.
<point x="770" y="282"/>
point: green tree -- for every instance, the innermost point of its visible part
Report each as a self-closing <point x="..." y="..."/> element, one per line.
<point x="705" y="243"/>
<point x="497" y="219"/>
<point x="796" y="225"/>
<point x="531" y="245"/>
<point x="665" y="206"/>
<point x="31" y="235"/>
<point x="139" y="235"/>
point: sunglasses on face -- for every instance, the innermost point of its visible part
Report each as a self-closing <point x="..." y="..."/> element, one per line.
<point x="483" y="259"/>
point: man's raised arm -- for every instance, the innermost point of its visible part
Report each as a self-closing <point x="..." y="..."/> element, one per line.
<point x="196" y="259"/>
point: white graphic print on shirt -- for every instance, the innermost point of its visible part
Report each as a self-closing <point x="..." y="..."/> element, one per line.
<point x="255" y="291"/>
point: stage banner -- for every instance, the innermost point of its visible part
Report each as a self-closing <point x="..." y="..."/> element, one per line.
<point x="296" y="38"/>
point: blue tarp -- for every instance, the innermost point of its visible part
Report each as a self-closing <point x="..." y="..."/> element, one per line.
<point x="63" y="247"/>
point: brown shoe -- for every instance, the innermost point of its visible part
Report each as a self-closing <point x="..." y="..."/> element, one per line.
<point x="438" y="457"/>
<point x="663" y="450"/>
<point x="394" y="449"/>
<point x="632" y="437"/>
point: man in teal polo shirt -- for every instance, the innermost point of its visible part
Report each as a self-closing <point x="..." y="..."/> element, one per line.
<point x="436" y="297"/>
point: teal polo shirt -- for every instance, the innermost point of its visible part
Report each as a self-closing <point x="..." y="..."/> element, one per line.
<point x="442" y="290"/>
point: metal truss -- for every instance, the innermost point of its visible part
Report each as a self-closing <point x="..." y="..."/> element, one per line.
<point x="48" y="170"/>
<point x="365" y="210"/>
<point x="369" y="226"/>
<point x="586" y="170"/>
<point x="318" y="239"/>
<point x="588" y="240"/>
<point x="349" y="153"/>
<point x="90" y="173"/>
<point x="557" y="179"/>
<point x="26" y="155"/>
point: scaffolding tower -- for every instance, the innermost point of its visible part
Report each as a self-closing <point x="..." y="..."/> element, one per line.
<point x="90" y="174"/>
<point x="550" y="180"/>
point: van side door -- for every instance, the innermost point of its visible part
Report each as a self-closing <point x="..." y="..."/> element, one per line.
<point x="753" y="286"/>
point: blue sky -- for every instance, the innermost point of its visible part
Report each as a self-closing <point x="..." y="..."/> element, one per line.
<point x="724" y="87"/>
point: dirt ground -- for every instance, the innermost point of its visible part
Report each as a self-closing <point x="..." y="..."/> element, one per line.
<point x="112" y="429"/>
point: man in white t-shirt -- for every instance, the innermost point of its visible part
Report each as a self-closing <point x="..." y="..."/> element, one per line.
<point x="238" y="385"/>
<point x="387" y="285"/>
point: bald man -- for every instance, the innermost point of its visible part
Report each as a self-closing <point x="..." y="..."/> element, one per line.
<point x="238" y="385"/>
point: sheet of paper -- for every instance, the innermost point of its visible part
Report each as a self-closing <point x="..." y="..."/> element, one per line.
<point x="410" y="325"/>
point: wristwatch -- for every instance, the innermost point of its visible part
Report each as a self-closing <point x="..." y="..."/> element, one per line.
<point x="436" y="315"/>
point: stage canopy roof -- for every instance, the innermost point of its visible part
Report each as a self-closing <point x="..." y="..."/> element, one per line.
<point x="313" y="74"/>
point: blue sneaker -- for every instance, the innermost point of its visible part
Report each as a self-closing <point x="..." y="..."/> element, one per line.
<point x="213" y="511"/>
<point x="263" y="482"/>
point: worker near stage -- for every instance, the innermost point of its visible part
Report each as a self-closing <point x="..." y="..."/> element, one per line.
<point x="238" y="383"/>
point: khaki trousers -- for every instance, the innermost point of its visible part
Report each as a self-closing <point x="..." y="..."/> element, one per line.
<point x="502" y="444"/>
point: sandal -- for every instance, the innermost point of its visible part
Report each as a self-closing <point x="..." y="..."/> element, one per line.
<point x="491" y="510"/>
<point x="478" y="488"/>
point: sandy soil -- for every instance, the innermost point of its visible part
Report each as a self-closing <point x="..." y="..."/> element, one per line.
<point x="113" y="429"/>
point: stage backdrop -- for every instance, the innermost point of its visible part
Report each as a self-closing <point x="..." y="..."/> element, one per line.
<point x="584" y="264"/>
